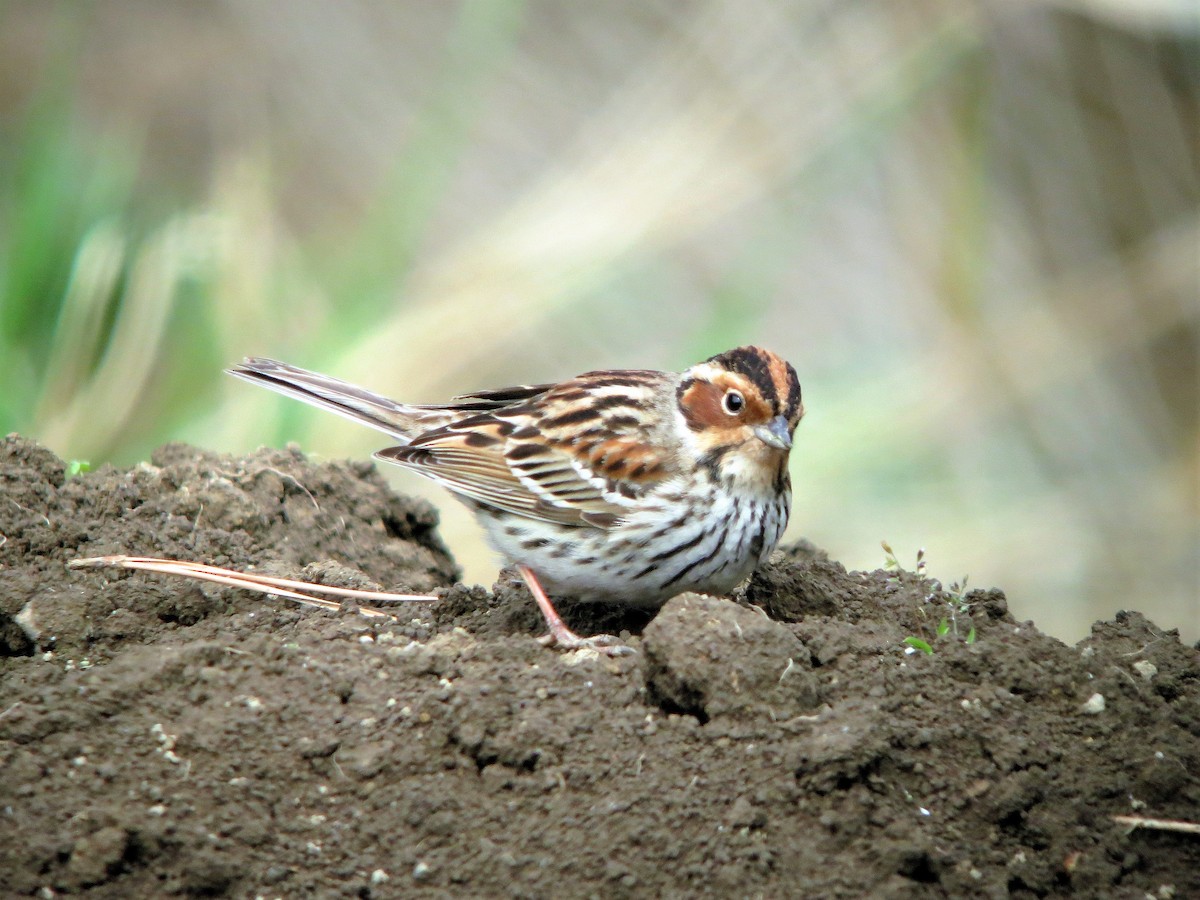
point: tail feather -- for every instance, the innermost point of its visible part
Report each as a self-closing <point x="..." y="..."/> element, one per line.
<point x="397" y="419"/>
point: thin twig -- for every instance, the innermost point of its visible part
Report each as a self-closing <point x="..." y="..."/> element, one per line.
<point x="128" y="561"/>
<point x="1135" y="822"/>
<point x="282" y="587"/>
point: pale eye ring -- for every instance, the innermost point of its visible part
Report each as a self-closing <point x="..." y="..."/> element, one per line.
<point x="734" y="402"/>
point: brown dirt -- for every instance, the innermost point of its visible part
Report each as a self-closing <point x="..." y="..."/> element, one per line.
<point x="160" y="737"/>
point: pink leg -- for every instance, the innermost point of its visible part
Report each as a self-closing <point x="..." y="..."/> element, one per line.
<point x="560" y="634"/>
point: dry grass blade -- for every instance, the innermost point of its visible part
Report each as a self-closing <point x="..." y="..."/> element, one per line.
<point x="1135" y="822"/>
<point x="282" y="587"/>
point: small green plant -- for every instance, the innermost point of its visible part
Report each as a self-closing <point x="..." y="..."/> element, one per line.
<point x="77" y="467"/>
<point x="954" y="598"/>
<point x="917" y="644"/>
<point x="893" y="565"/>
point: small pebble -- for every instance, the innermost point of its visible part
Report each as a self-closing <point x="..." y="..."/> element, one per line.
<point x="1094" y="705"/>
<point x="1145" y="668"/>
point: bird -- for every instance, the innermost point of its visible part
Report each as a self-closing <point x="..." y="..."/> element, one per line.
<point x="621" y="486"/>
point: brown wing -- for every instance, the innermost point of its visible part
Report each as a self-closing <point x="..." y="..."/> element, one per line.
<point x="474" y="464"/>
<point x="580" y="453"/>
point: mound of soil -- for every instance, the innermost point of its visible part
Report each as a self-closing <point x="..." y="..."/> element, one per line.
<point x="162" y="737"/>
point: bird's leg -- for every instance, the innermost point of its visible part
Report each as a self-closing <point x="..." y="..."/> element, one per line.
<point x="560" y="634"/>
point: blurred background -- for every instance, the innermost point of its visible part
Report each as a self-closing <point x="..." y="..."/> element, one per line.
<point x="973" y="227"/>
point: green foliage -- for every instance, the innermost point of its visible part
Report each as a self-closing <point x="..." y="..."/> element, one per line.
<point x="121" y="303"/>
<point x="917" y="644"/>
<point x="98" y="292"/>
<point x="77" y="467"/>
<point x="51" y="196"/>
<point x="952" y="599"/>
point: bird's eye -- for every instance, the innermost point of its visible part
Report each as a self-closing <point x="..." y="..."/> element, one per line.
<point x="734" y="402"/>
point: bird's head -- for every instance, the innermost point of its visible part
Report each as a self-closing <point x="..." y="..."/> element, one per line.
<point x="740" y="410"/>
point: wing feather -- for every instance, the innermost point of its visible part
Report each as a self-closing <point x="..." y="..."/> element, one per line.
<point x="551" y="489"/>
<point x="491" y="482"/>
<point x="580" y="453"/>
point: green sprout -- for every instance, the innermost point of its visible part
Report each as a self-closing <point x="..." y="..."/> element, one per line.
<point x="917" y="644"/>
<point x="77" y="467"/>
<point x="954" y="598"/>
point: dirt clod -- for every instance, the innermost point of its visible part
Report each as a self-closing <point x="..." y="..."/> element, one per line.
<point x="164" y="738"/>
<point x="707" y="657"/>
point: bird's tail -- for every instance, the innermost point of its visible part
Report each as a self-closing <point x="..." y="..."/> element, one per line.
<point x="397" y="419"/>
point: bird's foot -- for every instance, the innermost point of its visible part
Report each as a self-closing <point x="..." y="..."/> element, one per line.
<point x="562" y="636"/>
<point x="608" y="644"/>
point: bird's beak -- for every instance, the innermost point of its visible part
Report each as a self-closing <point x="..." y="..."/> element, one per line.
<point x="775" y="433"/>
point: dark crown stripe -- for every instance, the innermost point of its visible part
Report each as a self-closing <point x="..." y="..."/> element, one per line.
<point x="754" y="364"/>
<point x="793" y="400"/>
